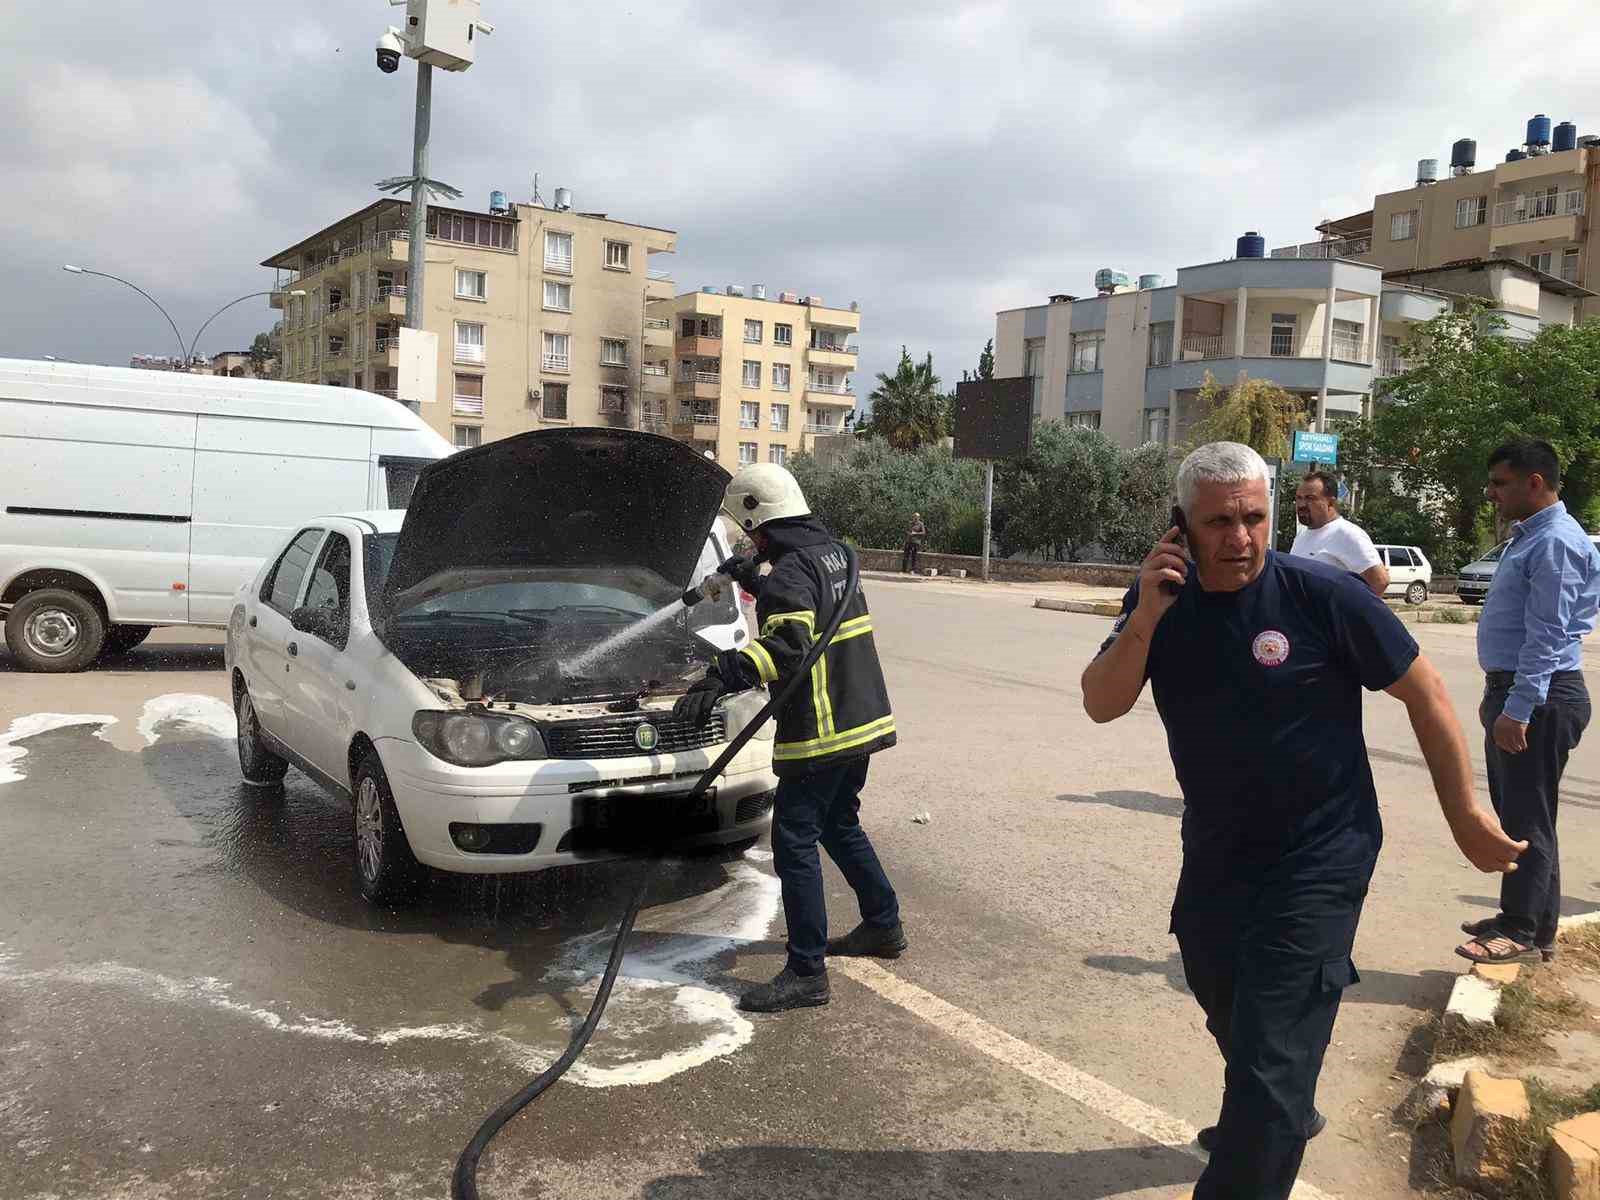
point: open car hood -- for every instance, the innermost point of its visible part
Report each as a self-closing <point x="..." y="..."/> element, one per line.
<point x="556" y="498"/>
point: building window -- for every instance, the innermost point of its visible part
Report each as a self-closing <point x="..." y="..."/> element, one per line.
<point x="555" y="401"/>
<point x="747" y="453"/>
<point x="1083" y="420"/>
<point x="780" y="418"/>
<point x="469" y="342"/>
<point x="749" y="415"/>
<point x="1347" y="338"/>
<point x="1155" y="425"/>
<point x="1471" y="210"/>
<point x="780" y="377"/>
<point x="358" y="337"/>
<point x="558" y="252"/>
<point x="783" y="335"/>
<point x="468" y="436"/>
<point x="752" y="331"/>
<point x="468" y="398"/>
<point x="1402" y="225"/>
<point x="1161" y="344"/>
<point x="557" y="352"/>
<point x="557" y="296"/>
<point x="1086" y="349"/>
<point x="616" y="256"/>
<point x="1540" y="262"/>
<point x="778" y="455"/>
<point x="688" y="327"/>
<point x="1569" y="265"/>
<point x="614" y="352"/>
<point x="472" y="230"/>
<point x="752" y="374"/>
<point x="472" y="285"/>
<point x="613" y="401"/>
<point x="355" y="287"/>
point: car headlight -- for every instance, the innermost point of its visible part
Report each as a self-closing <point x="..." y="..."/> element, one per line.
<point x="477" y="739"/>
<point x="741" y="708"/>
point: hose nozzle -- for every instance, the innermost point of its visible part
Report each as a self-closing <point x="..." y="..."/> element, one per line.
<point x="709" y="588"/>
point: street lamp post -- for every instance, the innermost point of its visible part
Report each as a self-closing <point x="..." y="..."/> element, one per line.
<point x="227" y="306"/>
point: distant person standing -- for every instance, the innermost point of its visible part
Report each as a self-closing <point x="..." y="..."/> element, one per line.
<point x="1540" y="607"/>
<point x="1329" y="538"/>
<point x="914" y="536"/>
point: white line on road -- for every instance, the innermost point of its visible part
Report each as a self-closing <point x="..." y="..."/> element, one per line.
<point x="1094" y="1094"/>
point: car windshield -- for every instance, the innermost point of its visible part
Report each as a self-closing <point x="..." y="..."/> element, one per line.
<point x="1494" y="555"/>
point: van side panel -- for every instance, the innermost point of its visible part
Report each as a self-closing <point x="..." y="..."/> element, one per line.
<point x="256" y="480"/>
<point x="403" y="444"/>
<point x="85" y="489"/>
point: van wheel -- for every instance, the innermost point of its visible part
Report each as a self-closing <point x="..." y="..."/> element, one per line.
<point x="123" y="638"/>
<point x="53" y="629"/>
<point x="259" y="765"/>
<point x="1417" y="593"/>
<point x="386" y="870"/>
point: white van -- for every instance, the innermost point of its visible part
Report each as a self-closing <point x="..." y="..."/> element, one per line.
<point x="133" y="499"/>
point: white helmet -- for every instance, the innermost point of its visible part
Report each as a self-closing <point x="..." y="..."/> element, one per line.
<point x="763" y="492"/>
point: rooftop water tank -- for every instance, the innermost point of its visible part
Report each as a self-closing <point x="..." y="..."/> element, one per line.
<point x="1538" y="132"/>
<point x="1566" y="137"/>
<point x="1061" y="298"/>
<point x="563" y="199"/>
<point x="497" y="202"/>
<point x="735" y="290"/>
<point x="1251" y="245"/>
<point x="1589" y="139"/>
<point x="1146" y="282"/>
<point x="708" y="290"/>
<point x="1427" y="171"/>
<point x="1463" y="156"/>
<point x="788" y="297"/>
<point x="1515" y="156"/>
<point x="758" y="291"/>
<point x="1107" y="280"/>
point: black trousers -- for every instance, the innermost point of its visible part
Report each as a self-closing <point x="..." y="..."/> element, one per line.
<point x="908" y="557"/>
<point x="1524" y="790"/>
<point x="1268" y="964"/>
<point x="822" y="808"/>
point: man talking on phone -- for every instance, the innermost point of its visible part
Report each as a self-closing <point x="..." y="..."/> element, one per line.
<point x="1258" y="662"/>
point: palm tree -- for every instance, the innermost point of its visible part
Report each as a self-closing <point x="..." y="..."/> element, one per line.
<point x="908" y="410"/>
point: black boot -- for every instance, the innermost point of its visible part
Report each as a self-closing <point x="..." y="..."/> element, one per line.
<point x="1208" y="1136"/>
<point x="870" y="941"/>
<point x="787" y="990"/>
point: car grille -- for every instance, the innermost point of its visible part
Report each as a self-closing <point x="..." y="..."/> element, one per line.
<point x="1469" y="578"/>
<point x="752" y="808"/>
<point x="612" y="737"/>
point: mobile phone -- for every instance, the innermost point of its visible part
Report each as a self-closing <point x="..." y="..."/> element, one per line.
<point x="1181" y="523"/>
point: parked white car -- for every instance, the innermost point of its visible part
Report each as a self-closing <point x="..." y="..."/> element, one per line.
<point x="1410" y="572"/>
<point x="1473" y="580"/>
<point x="136" y="499"/>
<point x="423" y="667"/>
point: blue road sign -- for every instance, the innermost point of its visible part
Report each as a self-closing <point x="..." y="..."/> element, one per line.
<point x="1316" y="447"/>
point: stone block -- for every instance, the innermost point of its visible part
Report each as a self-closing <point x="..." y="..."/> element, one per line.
<point x="1484" y="1126"/>
<point x="1572" y="1163"/>
<point x="958" y="573"/>
<point x="1473" y="1002"/>
<point x="1497" y="973"/>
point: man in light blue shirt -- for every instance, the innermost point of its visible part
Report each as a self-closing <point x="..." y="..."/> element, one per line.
<point x="1540" y="607"/>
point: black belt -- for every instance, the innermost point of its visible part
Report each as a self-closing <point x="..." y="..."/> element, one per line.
<point x="1506" y="679"/>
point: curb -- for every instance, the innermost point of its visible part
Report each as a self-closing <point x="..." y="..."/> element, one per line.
<point x="1095" y="608"/>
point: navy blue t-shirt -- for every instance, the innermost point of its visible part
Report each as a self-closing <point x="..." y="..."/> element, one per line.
<point x="1260" y="693"/>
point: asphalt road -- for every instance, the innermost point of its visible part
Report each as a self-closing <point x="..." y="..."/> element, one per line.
<point x="193" y="1001"/>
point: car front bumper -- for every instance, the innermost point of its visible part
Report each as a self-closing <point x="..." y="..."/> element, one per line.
<point x="555" y="794"/>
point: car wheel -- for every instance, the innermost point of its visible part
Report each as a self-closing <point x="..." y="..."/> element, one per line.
<point x="259" y="765"/>
<point x="1417" y="593"/>
<point x="123" y="638"/>
<point x="386" y="870"/>
<point x="1470" y="599"/>
<point x="55" y="630"/>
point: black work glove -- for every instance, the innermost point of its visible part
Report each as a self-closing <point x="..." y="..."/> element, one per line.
<point x="744" y="571"/>
<point x="696" y="705"/>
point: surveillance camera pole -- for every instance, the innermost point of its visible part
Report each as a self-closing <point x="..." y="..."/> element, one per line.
<point x="417" y="262"/>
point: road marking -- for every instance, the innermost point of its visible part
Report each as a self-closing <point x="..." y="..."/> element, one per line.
<point x="1094" y="1094"/>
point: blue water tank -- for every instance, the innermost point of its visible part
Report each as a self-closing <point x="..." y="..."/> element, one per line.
<point x="1539" y="130"/>
<point x="497" y="202"/>
<point x="1251" y="245"/>
<point x="1566" y="137"/>
<point x="1515" y="156"/>
<point x="708" y="290"/>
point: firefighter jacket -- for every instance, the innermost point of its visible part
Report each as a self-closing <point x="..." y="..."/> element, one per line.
<point x="843" y="712"/>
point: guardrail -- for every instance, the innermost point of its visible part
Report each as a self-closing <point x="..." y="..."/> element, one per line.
<point x="554" y="362"/>
<point x="829" y="389"/>
<point x="1539" y="205"/>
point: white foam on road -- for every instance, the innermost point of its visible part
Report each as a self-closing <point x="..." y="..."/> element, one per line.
<point x="33" y="725"/>
<point x="189" y="711"/>
<point x="1094" y="1094"/>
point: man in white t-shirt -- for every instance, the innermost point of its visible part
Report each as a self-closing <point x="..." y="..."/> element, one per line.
<point x="1329" y="538"/>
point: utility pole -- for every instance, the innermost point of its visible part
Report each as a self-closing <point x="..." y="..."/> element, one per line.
<point x="417" y="262"/>
<point x="988" y="511"/>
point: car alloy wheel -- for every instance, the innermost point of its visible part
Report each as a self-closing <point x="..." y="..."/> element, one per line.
<point x="259" y="766"/>
<point x="1417" y="593"/>
<point x="369" y="831"/>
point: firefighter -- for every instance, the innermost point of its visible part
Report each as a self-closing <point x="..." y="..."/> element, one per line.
<point x="825" y="734"/>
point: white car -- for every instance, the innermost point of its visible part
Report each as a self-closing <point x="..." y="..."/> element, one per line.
<point x="429" y="666"/>
<point x="1472" y="583"/>
<point x="1410" y="572"/>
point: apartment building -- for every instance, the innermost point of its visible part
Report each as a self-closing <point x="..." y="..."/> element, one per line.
<point x="752" y="379"/>
<point x="539" y="313"/>
<point x="1131" y="361"/>
<point x="1533" y="208"/>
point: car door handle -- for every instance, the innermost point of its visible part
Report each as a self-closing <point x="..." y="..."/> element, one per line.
<point x="294" y="649"/>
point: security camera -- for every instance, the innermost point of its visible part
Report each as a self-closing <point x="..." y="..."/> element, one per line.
<point x="390" y="48"/>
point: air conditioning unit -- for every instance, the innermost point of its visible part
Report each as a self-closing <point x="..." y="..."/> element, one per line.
<point x="534" y="398"/>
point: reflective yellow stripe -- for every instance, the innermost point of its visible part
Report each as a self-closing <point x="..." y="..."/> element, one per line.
<point x="766" y="669"/>
<point x="847" y="740"/>
<point x="808" y="619"/>
<point x="853" y="628"/>
<point x="819" y="691"/>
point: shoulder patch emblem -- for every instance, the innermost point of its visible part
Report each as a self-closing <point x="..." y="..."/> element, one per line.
<point x="1271" y="648"/>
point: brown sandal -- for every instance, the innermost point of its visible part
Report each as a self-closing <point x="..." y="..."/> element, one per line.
<point x="1498" y="948"/>
<point x="1487" y="925"/>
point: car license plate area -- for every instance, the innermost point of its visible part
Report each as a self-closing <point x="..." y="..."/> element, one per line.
<point x="632" y="821"/>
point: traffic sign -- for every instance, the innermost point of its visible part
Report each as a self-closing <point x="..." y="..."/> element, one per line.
<point x="1316" y="447"/>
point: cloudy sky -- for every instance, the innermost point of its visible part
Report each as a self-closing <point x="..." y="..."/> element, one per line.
<point x="935" y="161"/>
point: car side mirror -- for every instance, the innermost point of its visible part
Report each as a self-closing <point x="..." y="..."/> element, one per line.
<point x="318" y="622"/>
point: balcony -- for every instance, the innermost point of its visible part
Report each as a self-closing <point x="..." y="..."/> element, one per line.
<point x="821" y="427"/>
<point x="1341" y="248"/>
<point x="1390" y="365"/>
<point x="1275" y="345"/>
<point x="466" y="406"/>
<point x="559" y="364"/>
<point x="657" y="323"/>
<point x="653" y="421"/>
<point x="391" y="393"/>
<point x="832" y="354"/>
<point x="653" y="369"/>
<point x="698" y="346"/>
<point x="699" y="385"/>
<point x="813" y="388"/>
<point x="1539" y="217"/>
<point x="698" y="413"/>
<point x="337" y="312"/>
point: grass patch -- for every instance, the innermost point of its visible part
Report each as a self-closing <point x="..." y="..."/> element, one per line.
<point x="1451" y="616"/>
<point x="1530" y="1142"/>
<point x="1581" y="945"/>
<point x="1531" y="1007"/>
